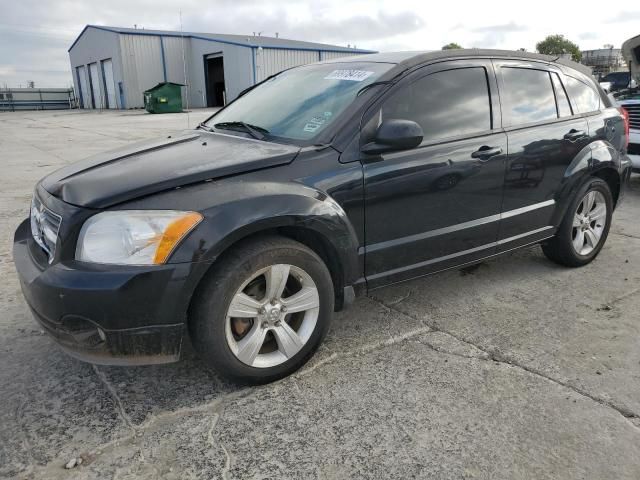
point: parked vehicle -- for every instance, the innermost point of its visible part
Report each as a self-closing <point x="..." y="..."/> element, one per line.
<point x="616" y="81"/>
<point x="629" y="99"/>
<point x="321" y="183"/>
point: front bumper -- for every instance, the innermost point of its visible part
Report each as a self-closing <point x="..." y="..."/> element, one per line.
<point x="106" y="314"/>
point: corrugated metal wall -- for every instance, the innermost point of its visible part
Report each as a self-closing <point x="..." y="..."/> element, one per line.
<point x="96" y="46"/>
<point x="173" y="47"/>
<point x="270" y="60"/>
<point x="173" y="58"/>
<point x="332" y="55"/>
<point x="141" y="65"/>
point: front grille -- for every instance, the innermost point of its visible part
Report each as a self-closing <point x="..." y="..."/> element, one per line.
<point x="44" y="227"/>
<point x="634" y="114"/>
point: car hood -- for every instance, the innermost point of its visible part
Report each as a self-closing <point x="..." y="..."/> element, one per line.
<point x="153" y="166"/>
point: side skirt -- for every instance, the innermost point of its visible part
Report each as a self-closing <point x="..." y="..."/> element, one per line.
<point x="475" y="261"/>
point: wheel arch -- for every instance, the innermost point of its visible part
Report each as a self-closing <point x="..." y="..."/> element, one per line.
<point x="317" y="222"/>
<point x="596" y="160"/>
<point x="612" y="177"/>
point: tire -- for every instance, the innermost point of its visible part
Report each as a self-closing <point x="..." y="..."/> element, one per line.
<point x="238" y="285"/>
<point x="562" y="247"/>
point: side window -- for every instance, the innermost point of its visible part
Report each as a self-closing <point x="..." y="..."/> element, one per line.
<point x="529" y="96"/>
<point x="583" y="98"/>
<point x="564" y="110"/>
<point x="444" y="104"/>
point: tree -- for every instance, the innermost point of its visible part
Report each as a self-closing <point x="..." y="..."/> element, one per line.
<point x="451" y="46"/>
<point x="557" y="45"/>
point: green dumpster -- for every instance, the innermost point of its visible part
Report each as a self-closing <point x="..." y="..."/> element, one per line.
<point x="166" y="97"/>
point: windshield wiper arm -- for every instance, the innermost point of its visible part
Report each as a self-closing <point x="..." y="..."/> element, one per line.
<point x="253" y="130"/>
<point x="204" y="126"/>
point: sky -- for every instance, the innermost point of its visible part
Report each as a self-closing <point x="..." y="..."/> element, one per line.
<point x="36" y="34"/>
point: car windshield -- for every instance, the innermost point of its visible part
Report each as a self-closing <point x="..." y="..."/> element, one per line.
<point x="300" y="103"/>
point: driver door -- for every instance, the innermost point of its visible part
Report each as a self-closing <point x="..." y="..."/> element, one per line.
<point x="438" y="205"/>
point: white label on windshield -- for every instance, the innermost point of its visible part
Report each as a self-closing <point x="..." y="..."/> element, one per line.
<point x="352" y="75"/>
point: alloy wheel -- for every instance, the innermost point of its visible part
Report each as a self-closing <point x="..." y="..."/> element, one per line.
<point x="272" y="316"/>
<point x="589" y="222"/>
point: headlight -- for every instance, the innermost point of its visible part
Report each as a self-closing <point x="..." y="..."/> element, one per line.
<point x="134" y="237"/>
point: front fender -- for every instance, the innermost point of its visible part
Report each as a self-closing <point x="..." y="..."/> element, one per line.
<point x="246" y="208"/>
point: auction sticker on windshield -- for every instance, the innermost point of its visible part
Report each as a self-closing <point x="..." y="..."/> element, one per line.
<point x="352" y="75"/>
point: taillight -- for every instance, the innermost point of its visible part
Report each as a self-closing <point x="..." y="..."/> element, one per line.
<point x="625" y="116"/>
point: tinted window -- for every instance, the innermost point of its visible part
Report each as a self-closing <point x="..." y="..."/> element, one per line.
<point x="564" y="110"/>
<point x="529" y="96"/>
<point x="583" y="98"/>
<point x="444" y="104"/>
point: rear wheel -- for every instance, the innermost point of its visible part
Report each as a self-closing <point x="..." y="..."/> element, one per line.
<point x="585" y="227"/>
<point x="263" y="311"/>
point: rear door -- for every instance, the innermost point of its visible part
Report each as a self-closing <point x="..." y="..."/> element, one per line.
<point x="437" y="205"/>
<point x="544" y="136"/>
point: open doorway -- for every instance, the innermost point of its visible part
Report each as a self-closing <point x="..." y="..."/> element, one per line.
<point x="214" y="78"/>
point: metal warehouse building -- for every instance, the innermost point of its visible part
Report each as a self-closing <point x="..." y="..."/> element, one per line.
<point x="113" y="66"/>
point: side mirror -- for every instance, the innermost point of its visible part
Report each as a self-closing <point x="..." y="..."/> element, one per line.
<point x="395" y="134"/>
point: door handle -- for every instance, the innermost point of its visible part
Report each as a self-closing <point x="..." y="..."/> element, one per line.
<point x="575" y="134"/>
<point x="485" y="152"/>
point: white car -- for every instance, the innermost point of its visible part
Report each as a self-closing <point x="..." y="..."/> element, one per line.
<point x="631" y="103"/>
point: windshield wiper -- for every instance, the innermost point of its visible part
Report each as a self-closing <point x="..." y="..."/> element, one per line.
<point x="253" y="130"/>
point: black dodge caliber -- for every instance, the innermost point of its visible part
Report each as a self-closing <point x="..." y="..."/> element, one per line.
<point x="319" y="184"/>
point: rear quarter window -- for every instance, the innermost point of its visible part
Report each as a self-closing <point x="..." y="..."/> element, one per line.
<point x="584" y="98"/>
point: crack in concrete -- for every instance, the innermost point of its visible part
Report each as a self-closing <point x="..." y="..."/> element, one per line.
<point x="227" y="463"/>
<point x="369" y="347"/>
<point x="112" y="391"/>
<point x="138" y="431"/>
<point x="500" y="357"/>
<point x="628" y="235"/>
<point x="210" y="440"/>
<point x="484" y="356"/>
<point x="624" y="295"/>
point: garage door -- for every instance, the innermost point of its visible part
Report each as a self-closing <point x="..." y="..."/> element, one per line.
<point x="109" y="84"/>
<point x="95" y="85"/>
<point x="85" y="98"/>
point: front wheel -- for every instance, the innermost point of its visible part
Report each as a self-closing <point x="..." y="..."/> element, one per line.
<point x="585" y="227"/>
<point x="263" y="311"/>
